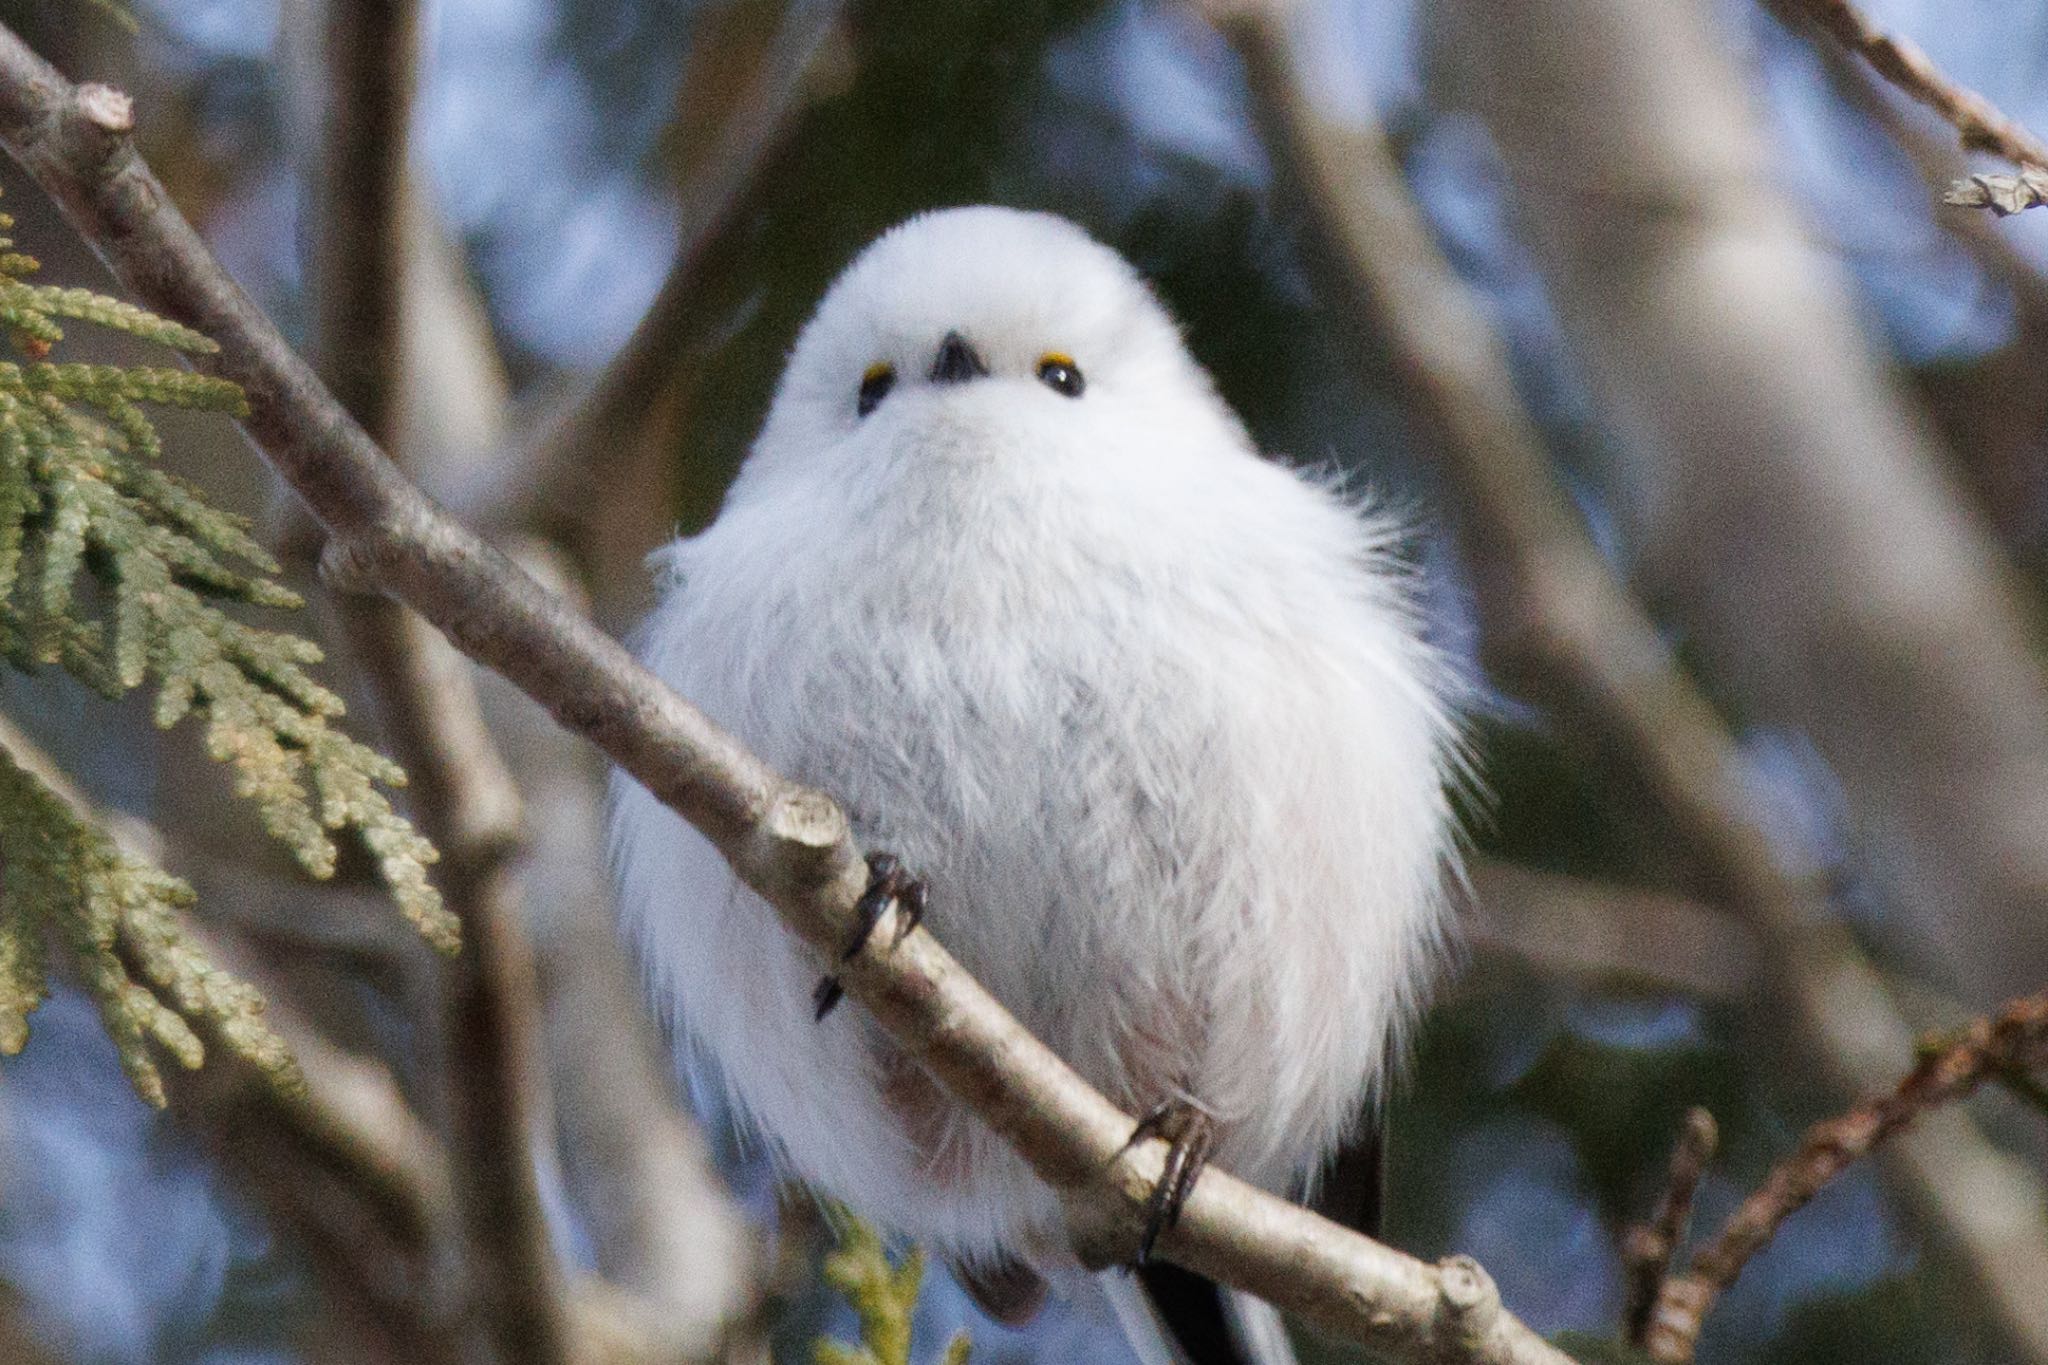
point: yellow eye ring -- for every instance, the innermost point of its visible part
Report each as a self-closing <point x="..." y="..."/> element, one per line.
<point x="1058" y="372"/>
<point x="875" y="383"/>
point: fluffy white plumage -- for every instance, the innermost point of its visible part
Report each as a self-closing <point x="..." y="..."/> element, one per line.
<point x="1151" y="715"/>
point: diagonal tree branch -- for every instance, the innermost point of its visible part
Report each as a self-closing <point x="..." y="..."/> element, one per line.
<point x="1980" y="125"/>
<point x="790" y="843"/>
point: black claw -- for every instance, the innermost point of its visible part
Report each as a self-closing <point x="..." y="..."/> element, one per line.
<point x="887" y="884"/>
<point x="1153" y="1124"/>
<point x="1191" y="1133"/>
<point x="914" y="899"/>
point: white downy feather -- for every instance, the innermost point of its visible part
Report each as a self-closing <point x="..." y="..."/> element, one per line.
<point x="1150" y="714"/>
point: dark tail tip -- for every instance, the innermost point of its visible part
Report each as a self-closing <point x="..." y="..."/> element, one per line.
<point x="1191" y="1308"/>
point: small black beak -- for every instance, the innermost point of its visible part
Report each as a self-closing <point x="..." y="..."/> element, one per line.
<point x="957" y="362"/>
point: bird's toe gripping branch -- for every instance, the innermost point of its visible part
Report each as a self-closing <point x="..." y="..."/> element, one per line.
<point x="888" y="884"/>
<point x="1191" y="1133"/>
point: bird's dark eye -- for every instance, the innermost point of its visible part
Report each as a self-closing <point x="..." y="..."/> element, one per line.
<point x="875" y="386"/>
<point x="1060" y="374"/>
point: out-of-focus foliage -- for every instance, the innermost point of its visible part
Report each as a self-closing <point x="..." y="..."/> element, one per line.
<point x="884" y="1299"/>
<point x="1541" y="1107"/>
<point x="113" y="570"/>
<point x="116" y="11"/>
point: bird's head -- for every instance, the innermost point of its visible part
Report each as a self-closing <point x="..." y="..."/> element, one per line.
<point x="967" y="323"/>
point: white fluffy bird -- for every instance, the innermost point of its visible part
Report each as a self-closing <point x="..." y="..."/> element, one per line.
<point x="1151" y="716"/>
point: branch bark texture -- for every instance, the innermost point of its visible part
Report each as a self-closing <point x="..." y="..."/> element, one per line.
<point x="1979" y="124"/>
<point x="592" y="459"/>
<point x="790" y="843"/>
<point x="1647" y="1251"/>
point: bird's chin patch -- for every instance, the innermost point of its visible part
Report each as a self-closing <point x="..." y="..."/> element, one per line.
<point x="984" y="422"/>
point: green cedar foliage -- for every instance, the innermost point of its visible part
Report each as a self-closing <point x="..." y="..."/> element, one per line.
<point x="116" y="572"/>
<point x="112" y="910"/>
<point x="884" y="1299"/>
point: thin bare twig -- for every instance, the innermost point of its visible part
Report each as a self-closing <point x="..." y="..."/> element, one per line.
<point x="1647" y="1251"/>
<point x="1979" y="124"/>
<point x="2014" y="1041"/>
<point x="1939" y="163"/>
<point x="789" y="843"/>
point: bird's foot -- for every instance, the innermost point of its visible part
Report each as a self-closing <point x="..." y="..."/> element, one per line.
<point x="888" y="883"/>
<point x="1190" y="1133"/>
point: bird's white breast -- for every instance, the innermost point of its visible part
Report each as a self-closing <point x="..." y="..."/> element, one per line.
<point x="1153" y="722"/>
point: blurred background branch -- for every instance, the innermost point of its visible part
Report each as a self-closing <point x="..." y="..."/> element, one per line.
<point x="497" y="1097"/>
<point x="1694" y="887"/>
<point x="594" y="462"/>
<point x="396" y="326"/>
<point x="1555" y="621"/>
<point x="1791" y="508"/>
